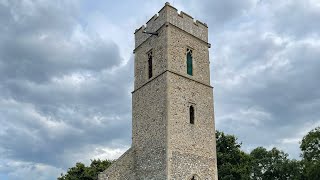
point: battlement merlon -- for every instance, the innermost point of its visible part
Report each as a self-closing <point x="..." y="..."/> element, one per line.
<point x="169" y="14"/>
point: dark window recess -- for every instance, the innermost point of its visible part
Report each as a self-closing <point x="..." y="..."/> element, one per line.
<point x="189" y="62"/>
<point x="191" y="111"/>
<point x="150" y="64"/>
<point x="193" y="178"/>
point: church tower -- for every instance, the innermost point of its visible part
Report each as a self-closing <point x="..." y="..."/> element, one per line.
<point x="173" y="129"/>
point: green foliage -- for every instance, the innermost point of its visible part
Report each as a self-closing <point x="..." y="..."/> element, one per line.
<point x="313" y="170"/>
<point x="310" y="147"/>
<point x="81" y="172"/>
<point x="262" y="164"/>
<point x="273" y="164"/>
<point x="232" y="162"/>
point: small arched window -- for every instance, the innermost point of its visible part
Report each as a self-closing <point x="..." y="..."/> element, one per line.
<point x="191" y="114"/>
<point x="189" y="62"/>
<point x="195" y="177"/>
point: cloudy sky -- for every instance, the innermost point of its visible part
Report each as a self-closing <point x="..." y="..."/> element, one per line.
<point x="66" y="76"/>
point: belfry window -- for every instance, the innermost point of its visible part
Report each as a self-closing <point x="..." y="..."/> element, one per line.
<point x="189" y="61"/>
<point x="191" y="114"/>
<point x="150" y="64"/>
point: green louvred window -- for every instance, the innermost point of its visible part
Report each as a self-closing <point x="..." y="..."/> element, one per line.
<point x="189" y="61"/>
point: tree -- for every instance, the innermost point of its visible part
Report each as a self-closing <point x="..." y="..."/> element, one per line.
<point x="310" y="147"/>
<point x="232" y="162"/>
<point x="81" y="172"/>
<point x="294" y="170"/>
<point x="313" y="171"/>
<point x="274" y="164"/>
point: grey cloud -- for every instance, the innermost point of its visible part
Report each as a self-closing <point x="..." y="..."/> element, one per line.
<point x="39" y="43"/>
<point x="62" y="88"/>
<point x="21" y="170"/>
<point x="264" y="72"/>
<point x="263" y="92"/>
<point x="218" y="13"/>
<point x="33" y="135"/>
<point x="42" y="131"/>
<point x="34" y="16"/>
<point x="297" y="18"/>
<point x="37" y="61"/>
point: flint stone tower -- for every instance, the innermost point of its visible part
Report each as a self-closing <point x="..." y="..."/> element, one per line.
<point x="173" y="130"/>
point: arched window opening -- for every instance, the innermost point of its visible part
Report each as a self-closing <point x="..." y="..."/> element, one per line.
<point x="195" y="177"/>
<point x="189" y="62"/>
<point x="150" y="64"/>
<point x="191" y="112"/>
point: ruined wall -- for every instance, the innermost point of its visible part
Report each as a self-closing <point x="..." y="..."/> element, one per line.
<point x="123" y="168"/>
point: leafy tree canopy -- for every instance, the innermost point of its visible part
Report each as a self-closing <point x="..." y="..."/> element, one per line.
<point x="232" y="162"/>
<point x="310" y="147"/>
<point x="81" y="172"/>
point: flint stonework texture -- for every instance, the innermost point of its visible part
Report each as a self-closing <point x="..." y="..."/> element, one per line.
<point x="165" y="145"/>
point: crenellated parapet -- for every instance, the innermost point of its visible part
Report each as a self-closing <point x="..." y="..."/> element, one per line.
<point x="169" y="14"/>
<point x="186" y="22"/>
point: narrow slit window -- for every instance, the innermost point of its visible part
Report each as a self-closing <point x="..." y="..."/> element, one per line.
<point x="191" y="112"/>
<point x="189" y="62"/>
<point x="150" y="64"/>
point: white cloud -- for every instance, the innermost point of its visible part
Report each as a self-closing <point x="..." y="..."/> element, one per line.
<point x="33" y="171"/>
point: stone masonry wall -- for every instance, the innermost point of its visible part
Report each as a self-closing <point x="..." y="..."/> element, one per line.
<point x="122" y="169"/>
<point x="158" y="46"/>
<point x="150" y="129"/>
<point x="179" y="41"/>
<point x="164" y="144"/>
<point x="190" y="145"/>
<point x="169" y="14"/>
<point x="186" y="23"/>
<point x="197" y="138"/>
<point x="185" y="165"/>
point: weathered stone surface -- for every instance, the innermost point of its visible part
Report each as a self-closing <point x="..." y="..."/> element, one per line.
<point x="178" y="42"/>
<point x="149" y="137"/>
<point x="159" y="48"/>
<point x="191" y="147"/>
<point x="121" y="169"/>
<point x="184" y="166"/>
<point x="169" y="14"/>
<point x="165" y="145"/>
